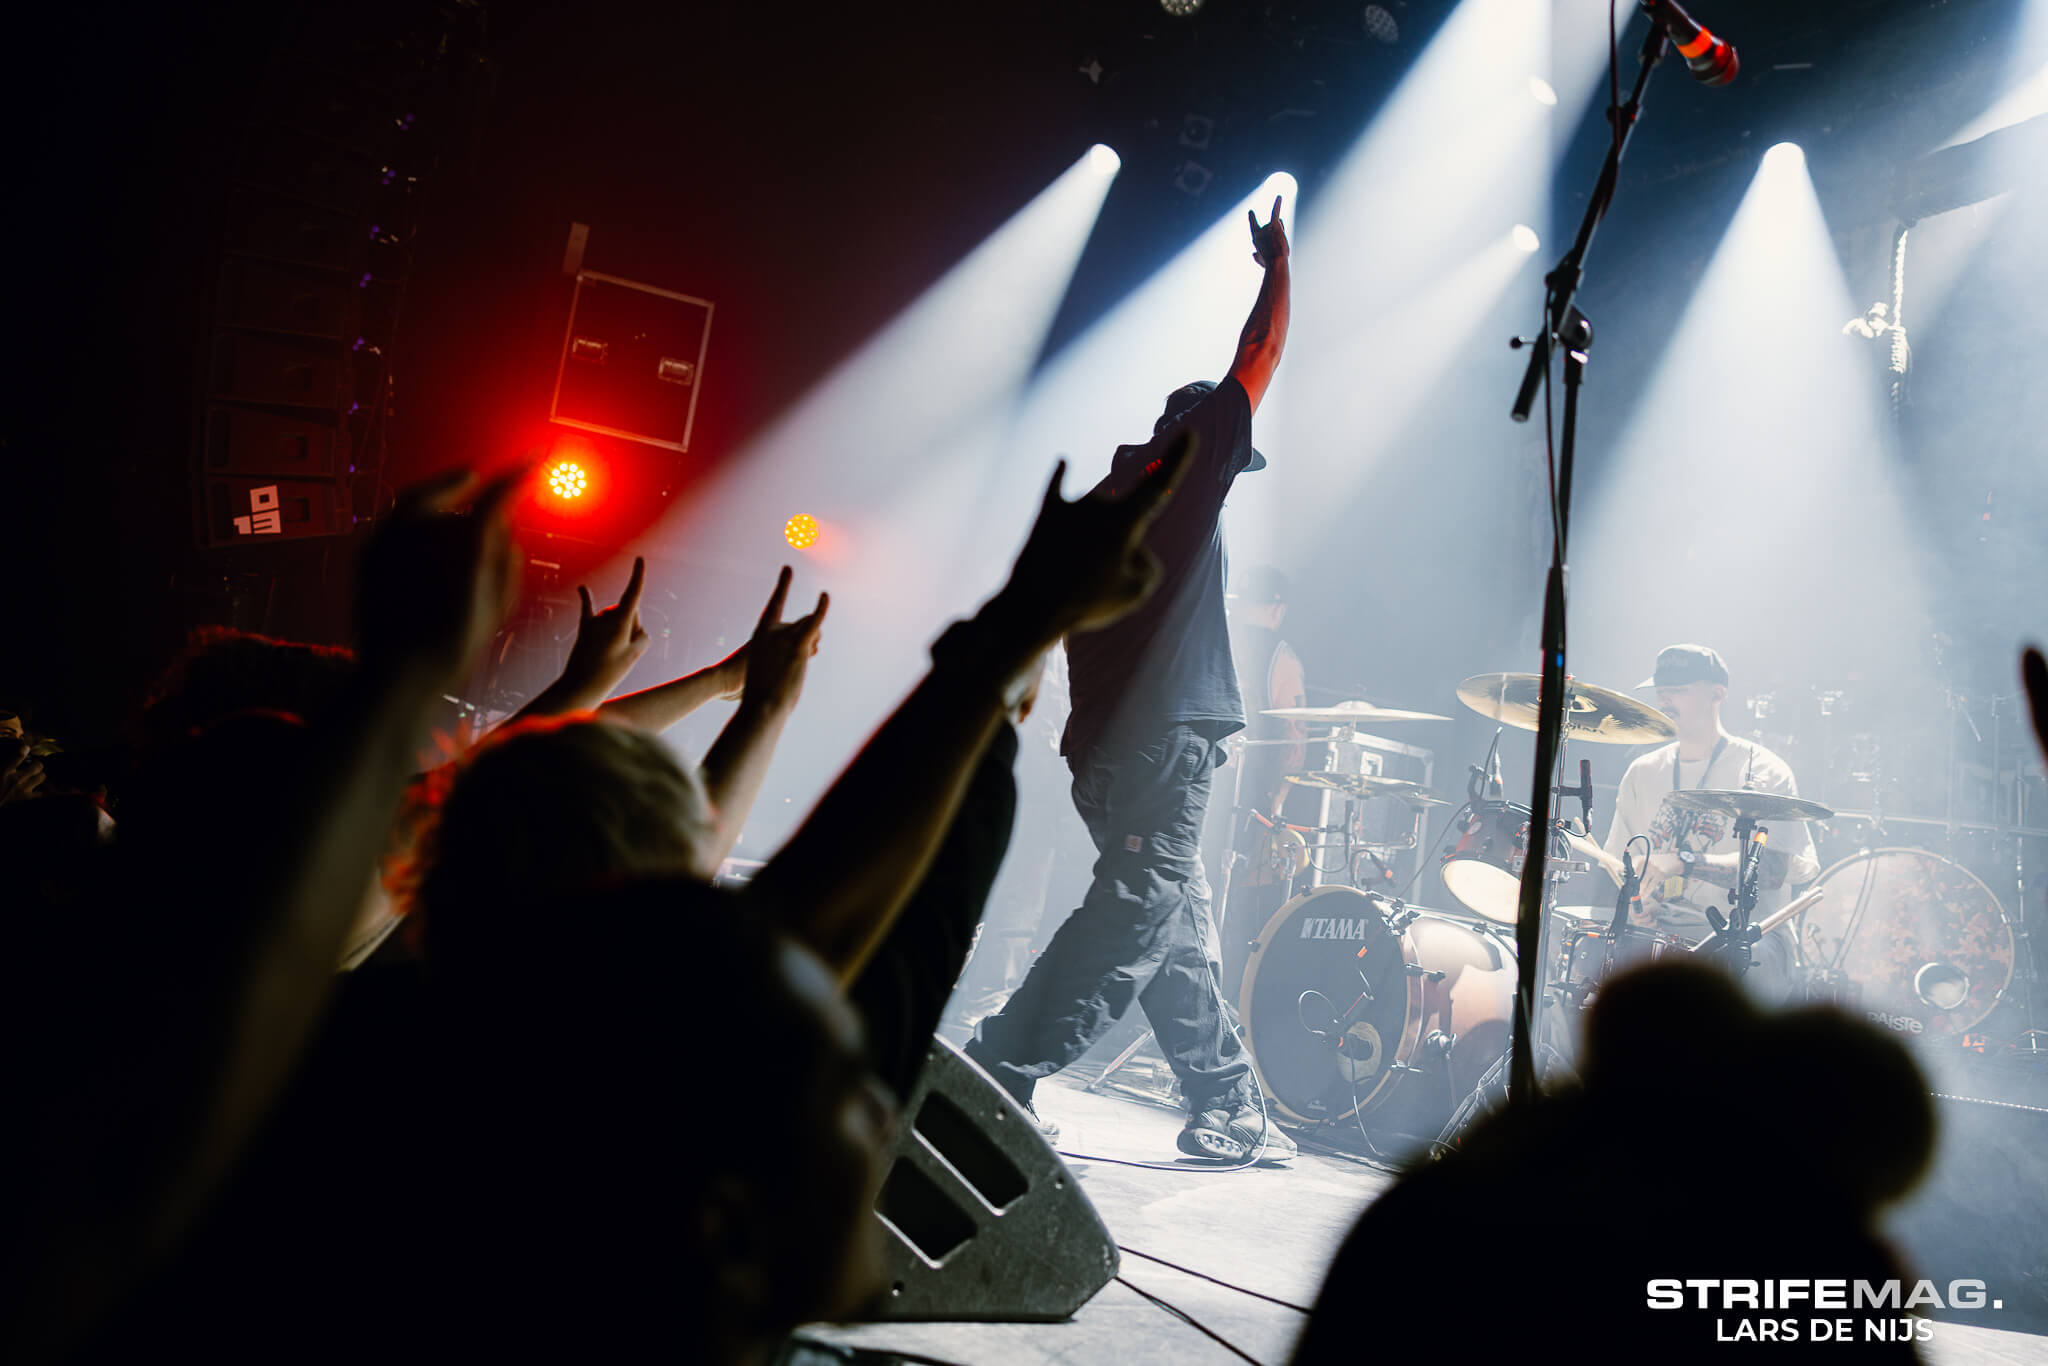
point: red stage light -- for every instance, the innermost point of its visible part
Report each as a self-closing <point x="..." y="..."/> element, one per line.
<point x="567" y="480"/>
<point x="801" y="531"/>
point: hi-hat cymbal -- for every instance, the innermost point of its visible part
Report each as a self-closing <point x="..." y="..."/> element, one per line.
<point x="1756" y="806"/>
<point x="1350" y="714"/>
<point x="1366" y="785"/>
<point x="1600" y="715"/>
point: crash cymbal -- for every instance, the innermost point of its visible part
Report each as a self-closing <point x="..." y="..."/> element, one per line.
<point x="1350" y="714"/>
<point x="1756" y="806"/>
<point x="1600" y="715"/>
<point x="1366" y="785"/>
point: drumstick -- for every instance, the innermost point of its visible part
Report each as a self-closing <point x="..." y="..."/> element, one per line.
<point x="1790" y="909"/>
<point x="1769" y="922"/>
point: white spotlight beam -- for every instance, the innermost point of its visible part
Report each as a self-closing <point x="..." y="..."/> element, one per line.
<point x="1458" y="155"/>
<point x="1107" y="387"/>
<point x="888" y="413"/>
<point x="885" y="452"/>
<point x="1752" y="504"/>
<point x="1412" y="246"/>
<point x="2022" y="93"/>
<point x="1364" y="399"/>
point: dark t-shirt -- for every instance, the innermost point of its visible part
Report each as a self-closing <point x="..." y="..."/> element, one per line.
<point x="1169" y="661"/>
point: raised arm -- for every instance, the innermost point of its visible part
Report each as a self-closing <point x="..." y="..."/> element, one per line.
<point x="840" y="881"/>
<point x="608" y="645"/>
<point x="737" y="763"/>
<point x="435" y="589"/>
<point x="657" y="708"/>
<point x="251" y="988"/>
<point x="1265" y="331"/>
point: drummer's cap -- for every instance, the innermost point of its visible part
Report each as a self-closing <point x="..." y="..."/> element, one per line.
<point x="1678" y="665"/>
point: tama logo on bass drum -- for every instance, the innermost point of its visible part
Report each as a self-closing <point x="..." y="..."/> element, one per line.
<point x="1335" y="927"/>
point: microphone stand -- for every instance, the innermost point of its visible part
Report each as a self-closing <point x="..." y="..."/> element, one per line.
<point x="1562" y="325"/>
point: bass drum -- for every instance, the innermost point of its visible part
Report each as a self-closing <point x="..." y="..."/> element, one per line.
<point x="1915" y="942"/>
<point x="1342" y="1013"/>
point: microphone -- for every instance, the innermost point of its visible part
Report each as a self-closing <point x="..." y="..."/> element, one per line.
<point x="1386" y="873"/>
<point x="1631" y="885"/>
<point x="1713" y="62"/>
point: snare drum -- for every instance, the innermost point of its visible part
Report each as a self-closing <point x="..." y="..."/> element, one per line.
<point x="1587" y="955"/>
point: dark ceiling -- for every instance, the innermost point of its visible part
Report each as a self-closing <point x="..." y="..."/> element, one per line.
<point x="809" y="167"/>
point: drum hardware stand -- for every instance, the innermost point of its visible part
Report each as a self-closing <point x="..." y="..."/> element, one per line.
<point x="1563" y="325"/>
<point x="1739" y="935"/>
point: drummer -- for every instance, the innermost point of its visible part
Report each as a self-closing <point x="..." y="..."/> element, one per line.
<point x="1693" y="853"/>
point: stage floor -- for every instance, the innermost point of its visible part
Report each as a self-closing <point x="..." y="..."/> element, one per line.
<point x="1267" y="1230"/>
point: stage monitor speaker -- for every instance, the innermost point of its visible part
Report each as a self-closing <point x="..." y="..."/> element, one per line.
<point x="984" y="1221"/>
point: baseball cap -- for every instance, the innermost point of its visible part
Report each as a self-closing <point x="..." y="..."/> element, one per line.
<point x="1187" y="396"/>
<point x="1678" y="665"/>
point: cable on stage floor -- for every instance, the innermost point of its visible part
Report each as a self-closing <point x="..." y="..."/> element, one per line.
<point x="1213" y="1280"/>
<point x="1190" y="1320"/>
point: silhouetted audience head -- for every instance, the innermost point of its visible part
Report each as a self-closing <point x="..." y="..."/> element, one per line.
<point x="680" y="1098"/>
<point x="1708" y="1139"/>
<point x="553" y="807"/>
<point x="222" y="671"/>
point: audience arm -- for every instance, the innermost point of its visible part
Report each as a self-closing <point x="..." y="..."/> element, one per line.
<point x="734" y="769"/>
<point x="842" y="878"/>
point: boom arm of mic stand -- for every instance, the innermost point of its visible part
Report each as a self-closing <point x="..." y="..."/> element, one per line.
<point x="1562" y="284"/>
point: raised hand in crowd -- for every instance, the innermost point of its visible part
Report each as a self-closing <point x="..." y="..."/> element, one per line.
<point x="608" y="644"/>
<point x="436" y="584"/>
<point x="779" y="653"/>
<point x="21" y="772"/>
<point x="775" y="662"/>
<point x="1085" y="563"/>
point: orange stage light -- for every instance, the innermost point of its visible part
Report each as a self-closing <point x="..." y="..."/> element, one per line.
<point x="801" y="531"/>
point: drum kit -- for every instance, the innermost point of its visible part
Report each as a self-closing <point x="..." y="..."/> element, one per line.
<point x="1359" y="1007"/>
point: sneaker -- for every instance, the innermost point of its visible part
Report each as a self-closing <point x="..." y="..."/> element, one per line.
<point x="1269" y="1141"/>
<point x="1233" y="1136"/>
<point x="1207" y="1134"/>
